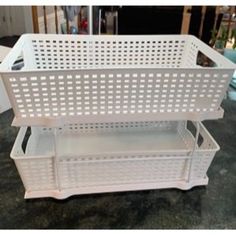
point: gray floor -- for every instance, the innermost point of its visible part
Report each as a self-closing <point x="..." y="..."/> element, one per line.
<point x="213" y="206"/>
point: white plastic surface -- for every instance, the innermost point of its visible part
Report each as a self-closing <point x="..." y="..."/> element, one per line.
<point x="77" y="79"/>
<point x="111" y="157"/>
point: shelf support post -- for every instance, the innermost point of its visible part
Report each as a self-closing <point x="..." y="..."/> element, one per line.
<point x="193" y="152"/>
<point x="56" y="159"/>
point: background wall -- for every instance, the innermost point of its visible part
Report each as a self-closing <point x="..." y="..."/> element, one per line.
<point x="15" y="20"/>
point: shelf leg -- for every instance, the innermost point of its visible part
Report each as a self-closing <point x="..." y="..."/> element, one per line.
<point x="56" y="160"/>
<point x="192" y="153"/>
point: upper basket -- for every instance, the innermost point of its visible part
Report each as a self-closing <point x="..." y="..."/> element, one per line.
<point x="85" y="79"/>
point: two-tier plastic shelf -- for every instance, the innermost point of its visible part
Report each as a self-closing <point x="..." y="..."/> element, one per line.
<point x="113" y="113"/>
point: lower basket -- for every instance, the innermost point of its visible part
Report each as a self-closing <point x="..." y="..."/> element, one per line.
<point x="109" y="157"/>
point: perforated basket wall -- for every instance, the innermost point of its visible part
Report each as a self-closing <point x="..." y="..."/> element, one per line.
<point x="76" y="79"/>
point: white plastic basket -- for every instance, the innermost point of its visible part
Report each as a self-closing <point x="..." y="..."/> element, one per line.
<point x="103" y="157"/>
<point x="103" y="102"/>
<point x="70" y="79"/>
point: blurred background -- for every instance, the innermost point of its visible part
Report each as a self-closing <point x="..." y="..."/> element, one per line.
<point x="195" y="20"/>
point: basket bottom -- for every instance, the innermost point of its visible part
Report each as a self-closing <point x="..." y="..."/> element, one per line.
<point x="183" y="185"/>
<point x="71" y="144"/>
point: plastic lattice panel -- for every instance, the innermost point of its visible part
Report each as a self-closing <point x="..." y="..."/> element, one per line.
<point x="97" y="52"/>
<point x="93" y="93"/>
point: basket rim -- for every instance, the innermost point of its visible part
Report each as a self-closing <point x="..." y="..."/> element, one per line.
<point x="4" y="66"/>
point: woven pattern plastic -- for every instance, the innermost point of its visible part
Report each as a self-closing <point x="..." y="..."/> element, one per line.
<point x="97" y="52"/>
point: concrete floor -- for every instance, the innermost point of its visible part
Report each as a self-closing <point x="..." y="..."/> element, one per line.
<point x="213" y="206"/>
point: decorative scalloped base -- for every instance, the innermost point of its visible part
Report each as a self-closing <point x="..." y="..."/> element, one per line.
<point x="183" y="185"/>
